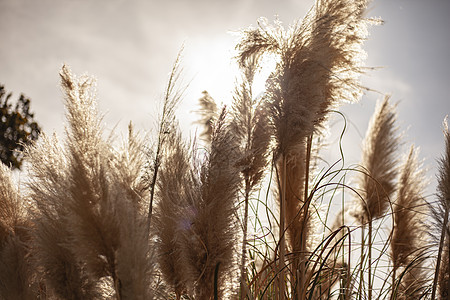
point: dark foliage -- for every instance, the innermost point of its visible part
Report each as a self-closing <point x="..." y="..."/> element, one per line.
<point x="17" y="128"/>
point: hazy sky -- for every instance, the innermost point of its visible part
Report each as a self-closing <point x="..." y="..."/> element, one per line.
<point x="130" y="47"/>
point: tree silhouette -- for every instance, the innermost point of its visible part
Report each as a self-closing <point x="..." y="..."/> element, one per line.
<point x="17" y="128"/>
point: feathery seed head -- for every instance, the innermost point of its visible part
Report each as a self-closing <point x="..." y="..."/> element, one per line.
<point x="174" y="183"/>
<point x="409" y="210"/>
<point x="444" y="171"/>
<point x="211" y="237"/>
<point x="11" y="209"/>
<point x="208" y="113"/>
<point x="320" y="62"/>
<point x="441" y="217"/>
<point x="376" y="180"/>
<point x="89" y="219"/>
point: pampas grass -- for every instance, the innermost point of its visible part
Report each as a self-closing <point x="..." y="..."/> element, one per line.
<point x="209" y="242"/>
<point x="172" y="215"/>
<point x="16" y="271"/>
<point x="196" y="226"/>
<point x="300" y="92"/>
<point x="377" y="178"/>
<point x="244" y="214"/>
<point x="409" y="238"/>
<point x="90" y="226"/>
<point x="11" y="209"/>
<point x="441" y="278"/>
<point x="64" y="276"/>
<point x="208" y="113"/>
<point x="172" y="97"/>
<point x="443" y="273"/>
<point x="379" y="162"/>
<point x="249" y="126"/>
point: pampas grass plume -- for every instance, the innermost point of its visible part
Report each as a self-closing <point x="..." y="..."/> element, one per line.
<point x="209" y="242"/>
<point x="16" y="270"/>
<point x="379" y="163"/>
<point x="90" y="222"/>
<point x="208" y="114"/>
<point x="408" y="239"/>
<point x="174" y="190"/>
<point x="441" y="278"/>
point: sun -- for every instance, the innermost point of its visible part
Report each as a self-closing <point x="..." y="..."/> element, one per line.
<point x="213" y="68"/>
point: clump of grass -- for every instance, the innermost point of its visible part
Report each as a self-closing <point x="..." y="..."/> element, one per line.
<point x="16" y="270"/>
<point x="91" y="235"/>
<point x="300" y="93"/>
<point x="196" y="225"/>
<point x="441" y="278"/>
<point x="200" y="222"/>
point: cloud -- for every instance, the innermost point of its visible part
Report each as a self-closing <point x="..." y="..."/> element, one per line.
<point x="130" y="46"/>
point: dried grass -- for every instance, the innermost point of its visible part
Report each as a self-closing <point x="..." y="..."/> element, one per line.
<point x="209" y="242"/>
<point x="16" y="271"/>
<point x="379" y="162"/>
<point x="86" y="227"/>
<point x="172" y="213"/>
<point x="409" y="230"/>
<point x="90" y="222"/>
<point x="441" y="212"/>
<point x="208" y="114"/>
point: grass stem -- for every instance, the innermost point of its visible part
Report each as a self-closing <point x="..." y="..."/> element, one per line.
<point x="282" y="229"/>
<point x="441" y="247"/>
<point x="369" y="267"/>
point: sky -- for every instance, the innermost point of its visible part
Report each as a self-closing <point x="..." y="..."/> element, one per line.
<point x="130" y="46"/>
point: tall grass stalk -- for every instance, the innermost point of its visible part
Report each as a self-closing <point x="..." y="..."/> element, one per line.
<point x="249" y="126"/>
<point x="172" y="97"/>
<point x="282" y="243"/>
<point x="96" y="221"/>
<point x="442" y="270"/>
<point x="379" y="173"/>
<point x="408" y="231"/>
<point x="172" y="212"/>
<point x="208" y="239"/>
